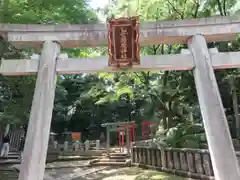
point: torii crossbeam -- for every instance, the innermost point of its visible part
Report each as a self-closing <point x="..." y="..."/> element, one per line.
<point x="196" y="33"/>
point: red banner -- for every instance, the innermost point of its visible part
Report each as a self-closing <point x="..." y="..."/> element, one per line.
<point x="76" y="136"/>
<point x="123" y="42"/>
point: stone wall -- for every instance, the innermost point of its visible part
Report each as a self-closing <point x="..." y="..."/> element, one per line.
<point x="194" y="163"/>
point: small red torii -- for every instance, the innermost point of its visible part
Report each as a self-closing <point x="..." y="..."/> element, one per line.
<point x="132" y="132"/>
<point x="121" y="133"/>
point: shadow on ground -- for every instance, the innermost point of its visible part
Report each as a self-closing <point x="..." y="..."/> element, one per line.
<point x="130" y="173"/>
<point x="97" y="173"/>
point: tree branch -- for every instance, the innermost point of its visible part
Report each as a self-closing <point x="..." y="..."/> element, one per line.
<point x="173" y="7"/>
<point x="146" y="77"/>
<point x="169" y="49"/>
<point x="172" y="113"/>
<point x="196" y="10"/>
<point x="176" y="93"/>
<point x="224" y="8"/>
<point x="155" y="48"/>
<point x="220" y="7"/>
<point x="162" y="49"/>
<point x="136" y="74"/>
<point x="184" y="7"/>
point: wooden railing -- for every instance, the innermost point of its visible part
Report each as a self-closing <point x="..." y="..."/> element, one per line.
<point x="193" y="163"/>
<point x="14" y="139"/>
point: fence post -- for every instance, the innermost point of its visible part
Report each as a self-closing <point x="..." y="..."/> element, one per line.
<point x="134" y="153"/>
<point x="145" y="155"/>
<point x="176" y="160"/>
<point x="207" y="165"/>
<point x="153" y="155"/>
<point x="140" y="156"/>
<point x="159" y="161"/>
<point x="190" y="162"/>
<point x="163" y="158"/>
<point x="148" y="156"/>
<point x="198" y="163"/>
<point x="183" y="161"/>
<point x="170" y="159"/>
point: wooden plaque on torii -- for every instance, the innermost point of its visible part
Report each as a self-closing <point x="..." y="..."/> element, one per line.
<point x="123" y="42"/>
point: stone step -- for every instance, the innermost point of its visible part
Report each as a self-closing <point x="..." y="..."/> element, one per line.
<point x="14" y="153"/>
<point x="118" y="154"/>
<point x="109" y="164"/>
<point x="75" y="158"/>
<point x="10" y="161"/>
<point x="112" y="160"/>
<point x="9" y="157"/>
<point x="117" y="157"/>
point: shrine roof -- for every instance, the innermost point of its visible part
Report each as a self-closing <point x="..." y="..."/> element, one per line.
<point x="117" y="123"/>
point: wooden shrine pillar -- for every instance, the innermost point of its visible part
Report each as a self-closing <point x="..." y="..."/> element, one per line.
<point x="35" y="151"/>
<point x="221" y="149"/>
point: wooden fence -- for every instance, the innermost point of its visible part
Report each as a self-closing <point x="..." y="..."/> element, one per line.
<point x="193" y="163"/>
<point x="14" y="139"/>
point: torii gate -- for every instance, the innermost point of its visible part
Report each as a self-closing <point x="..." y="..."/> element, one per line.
<point x="198" y="58"/>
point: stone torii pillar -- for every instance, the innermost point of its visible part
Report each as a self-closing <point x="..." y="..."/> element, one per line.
<point x="35" y="150"/>
<point x="223" y="156"/>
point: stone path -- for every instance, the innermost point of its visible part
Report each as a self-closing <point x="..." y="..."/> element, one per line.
<point x="109" y="173"/>
<point x="67" y="164"/>
<point x="72" y="173"/>
<point x="67" y="171"/>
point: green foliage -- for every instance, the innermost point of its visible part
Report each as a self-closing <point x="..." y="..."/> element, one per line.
<point x="17" y="92"/>
<point x="184" y="135"/>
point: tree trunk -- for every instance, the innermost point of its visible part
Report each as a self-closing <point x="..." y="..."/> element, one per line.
<point x="4" y="10"/>
<point x="235" y="107"/>
<point x="164" y="122"/>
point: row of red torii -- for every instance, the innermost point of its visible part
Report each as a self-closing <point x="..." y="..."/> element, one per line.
<point x="123" y="39"/>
